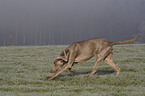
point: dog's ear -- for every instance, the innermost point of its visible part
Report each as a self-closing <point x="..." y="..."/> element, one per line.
<point x="59" y="61"/>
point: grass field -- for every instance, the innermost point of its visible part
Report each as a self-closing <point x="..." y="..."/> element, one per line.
<point x="23" y="71"/>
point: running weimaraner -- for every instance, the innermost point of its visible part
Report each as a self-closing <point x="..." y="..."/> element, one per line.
<point x="84" y="50"/>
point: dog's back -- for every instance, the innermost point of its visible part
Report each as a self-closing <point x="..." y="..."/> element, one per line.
<point x="86" y="49"/>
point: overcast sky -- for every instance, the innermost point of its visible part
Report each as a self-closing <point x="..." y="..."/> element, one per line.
<point x="81" y="19"/>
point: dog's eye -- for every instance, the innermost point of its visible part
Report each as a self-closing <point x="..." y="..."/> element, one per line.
<point x="61" y="61"/>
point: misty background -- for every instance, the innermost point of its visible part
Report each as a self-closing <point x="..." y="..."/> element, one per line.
<point x="50" y="22"/>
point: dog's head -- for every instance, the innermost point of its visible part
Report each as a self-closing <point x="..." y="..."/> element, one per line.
<point x="58" y="63"/>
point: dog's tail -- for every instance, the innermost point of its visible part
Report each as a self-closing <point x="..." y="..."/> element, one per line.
<point x="122" y="42"/>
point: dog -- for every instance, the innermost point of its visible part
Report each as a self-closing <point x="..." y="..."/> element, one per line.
<point x="84" y="50"/>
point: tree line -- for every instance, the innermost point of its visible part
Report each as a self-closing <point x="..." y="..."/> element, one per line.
<point x="115" y="20"/>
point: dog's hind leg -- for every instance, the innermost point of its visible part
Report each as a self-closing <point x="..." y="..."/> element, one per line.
<point x="72" y="70"/>
<point x="109" y="61"/>
<point x="95" y="67"/>
<point x="101" y="56"/>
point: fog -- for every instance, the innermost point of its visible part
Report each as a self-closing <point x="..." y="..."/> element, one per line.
<point x="47" y="22"/>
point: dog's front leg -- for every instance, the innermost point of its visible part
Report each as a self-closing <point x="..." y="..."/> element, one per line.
<point x="58" y="73"/>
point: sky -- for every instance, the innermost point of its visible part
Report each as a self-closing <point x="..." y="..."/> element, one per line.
<point x="66" y="21"/>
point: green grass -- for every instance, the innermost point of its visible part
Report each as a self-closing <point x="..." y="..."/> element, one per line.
<point x="23" y="71"/>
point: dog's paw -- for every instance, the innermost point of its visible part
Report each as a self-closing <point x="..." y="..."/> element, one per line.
<point x="48" y="78"/>
<point x="72" y="70"/>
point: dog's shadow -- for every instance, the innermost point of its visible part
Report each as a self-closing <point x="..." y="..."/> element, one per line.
<point x="99" y="72"/>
